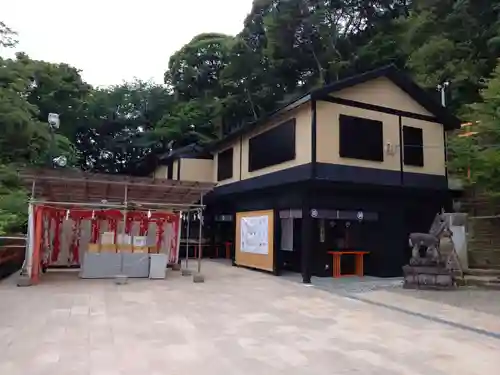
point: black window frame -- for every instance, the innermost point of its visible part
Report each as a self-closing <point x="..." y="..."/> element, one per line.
<point x="353" y="131"/>
<point x="273" y="147"/>
<point x="225" y="164"/>
<point x="413" y="146"/>
<point x="170" y="170"/>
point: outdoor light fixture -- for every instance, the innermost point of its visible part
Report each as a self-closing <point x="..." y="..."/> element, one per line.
<point x="67" y="214"/>
<point x="149" y="214"/>
<point x="53" y="120"/>
<point x="442" y="87"/>
<point x="60" y="161"/>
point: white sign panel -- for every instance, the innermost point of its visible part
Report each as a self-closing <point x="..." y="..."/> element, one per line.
<point x="254" y="235"/>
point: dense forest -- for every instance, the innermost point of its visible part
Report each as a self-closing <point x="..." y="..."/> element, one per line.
<point x="217" y="83"/>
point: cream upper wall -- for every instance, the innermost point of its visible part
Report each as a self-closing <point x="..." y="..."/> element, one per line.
<point x="160" y="172"/>
<point x="434" y="152"/>
<point x="175" y="167"/>
<point x="196" y="170"/>
<point x="236" y="165"/>
<point x="303" y="142"/>
<point x="303" y="146"/>
<point x="327" y="150"/>
<point x="327" y="130"/>
<point x="382" y="92"/>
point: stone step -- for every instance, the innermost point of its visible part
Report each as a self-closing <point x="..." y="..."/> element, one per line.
<point x="486" y="282"/>
<point x="482" y="272"/>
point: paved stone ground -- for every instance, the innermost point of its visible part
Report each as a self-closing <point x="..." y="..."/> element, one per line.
<point x="469" y="298"/>
<point x="237" y="322"/>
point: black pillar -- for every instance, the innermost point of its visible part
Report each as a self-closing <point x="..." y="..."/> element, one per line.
<point x="212" y="230"/>
<point x="277" y="243"/>
<point x="307" y="239"/>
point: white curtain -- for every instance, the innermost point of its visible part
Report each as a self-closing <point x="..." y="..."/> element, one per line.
<point x="287" y="234"/>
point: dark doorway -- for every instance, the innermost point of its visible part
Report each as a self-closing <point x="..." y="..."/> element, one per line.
<point x="289" y="258"/>
<point x="343" y="235"/>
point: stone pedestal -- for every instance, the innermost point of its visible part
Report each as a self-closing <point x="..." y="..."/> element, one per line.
<point x="176" y="267"/>
<point x="24" y="280"/>
<point x="121" y="279"/>
<point x="186" y="272"/>
<point x="428" y="277"/>
<point x="198" y="278"/>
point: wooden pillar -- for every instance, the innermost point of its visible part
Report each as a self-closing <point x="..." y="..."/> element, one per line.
<point x="307" y="239"/>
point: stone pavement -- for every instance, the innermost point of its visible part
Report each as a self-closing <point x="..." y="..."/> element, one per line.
<point x="237" y="322"/>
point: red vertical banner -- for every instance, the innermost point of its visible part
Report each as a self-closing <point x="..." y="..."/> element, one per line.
<point x="143" y="229"/>
<point x="75" y="242"/>
<point x="112" y="227"/>
<point x="95" y="230"/>
<point x="174" y="239"/>
<point x="128" y="224"/>
<point x="160" y="229"/>
<point x="56" y="244"/>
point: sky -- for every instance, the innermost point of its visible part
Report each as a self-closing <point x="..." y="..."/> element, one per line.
<point x="110" y="40"/>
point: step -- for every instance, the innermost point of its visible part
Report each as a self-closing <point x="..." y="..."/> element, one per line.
<point x="482" y="272"/>
<point x="486" y="282"/>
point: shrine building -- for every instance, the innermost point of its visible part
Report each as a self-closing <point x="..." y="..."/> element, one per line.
<point x="351" y="167"/>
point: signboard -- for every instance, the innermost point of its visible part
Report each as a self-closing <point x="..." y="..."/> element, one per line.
<point x="254" y="234"/>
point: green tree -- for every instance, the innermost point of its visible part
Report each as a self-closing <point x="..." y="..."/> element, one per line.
<point x="118" y="125"/>
<point x="481" y="152"/>
<point x="8" y="37"/>
<point x="452" y="40"/>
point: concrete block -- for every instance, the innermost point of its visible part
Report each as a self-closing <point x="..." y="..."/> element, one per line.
<point x="176" y="267"/>
<point x="186" y="272"/>
<point x="24" y="280"/>
<point x="198" y="278"/>
<point x="121" y="279"/>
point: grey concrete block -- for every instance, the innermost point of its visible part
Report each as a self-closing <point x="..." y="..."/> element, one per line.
<point x="198" y="278"/>
<point x="186" y="272"/>
<point x="121" y="279"/>
<point x="24" y="280"/>
<point x="176" y="267"/>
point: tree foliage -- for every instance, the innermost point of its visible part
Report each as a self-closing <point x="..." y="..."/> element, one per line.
<point x="216" y="83"/>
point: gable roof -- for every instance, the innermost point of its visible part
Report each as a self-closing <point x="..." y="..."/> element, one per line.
<point x="405" y="83"/>
<point x="400" y="79"/>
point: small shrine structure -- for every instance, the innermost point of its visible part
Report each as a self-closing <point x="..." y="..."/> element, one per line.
<point x="72" y="213"/>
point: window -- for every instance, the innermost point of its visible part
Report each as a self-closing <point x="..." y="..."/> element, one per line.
<point x="225" y="165"/>
<point x="361" y="138"/>
<point x="170" y="171"/>
<point x="413" y="146"/>
<point x="272" y="147"/>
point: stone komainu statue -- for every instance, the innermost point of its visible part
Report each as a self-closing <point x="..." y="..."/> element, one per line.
<point x="431" y="269"/>
<point x="430" y="241"/>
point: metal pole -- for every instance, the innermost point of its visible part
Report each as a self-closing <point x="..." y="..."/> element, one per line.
<point x="187" y="238"/>
<point x="125" y="212"/>
<point x="30" y="238"/>
<point x="200" y="232"/>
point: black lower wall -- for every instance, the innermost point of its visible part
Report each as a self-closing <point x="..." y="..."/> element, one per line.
<point x="400" y="212"/>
